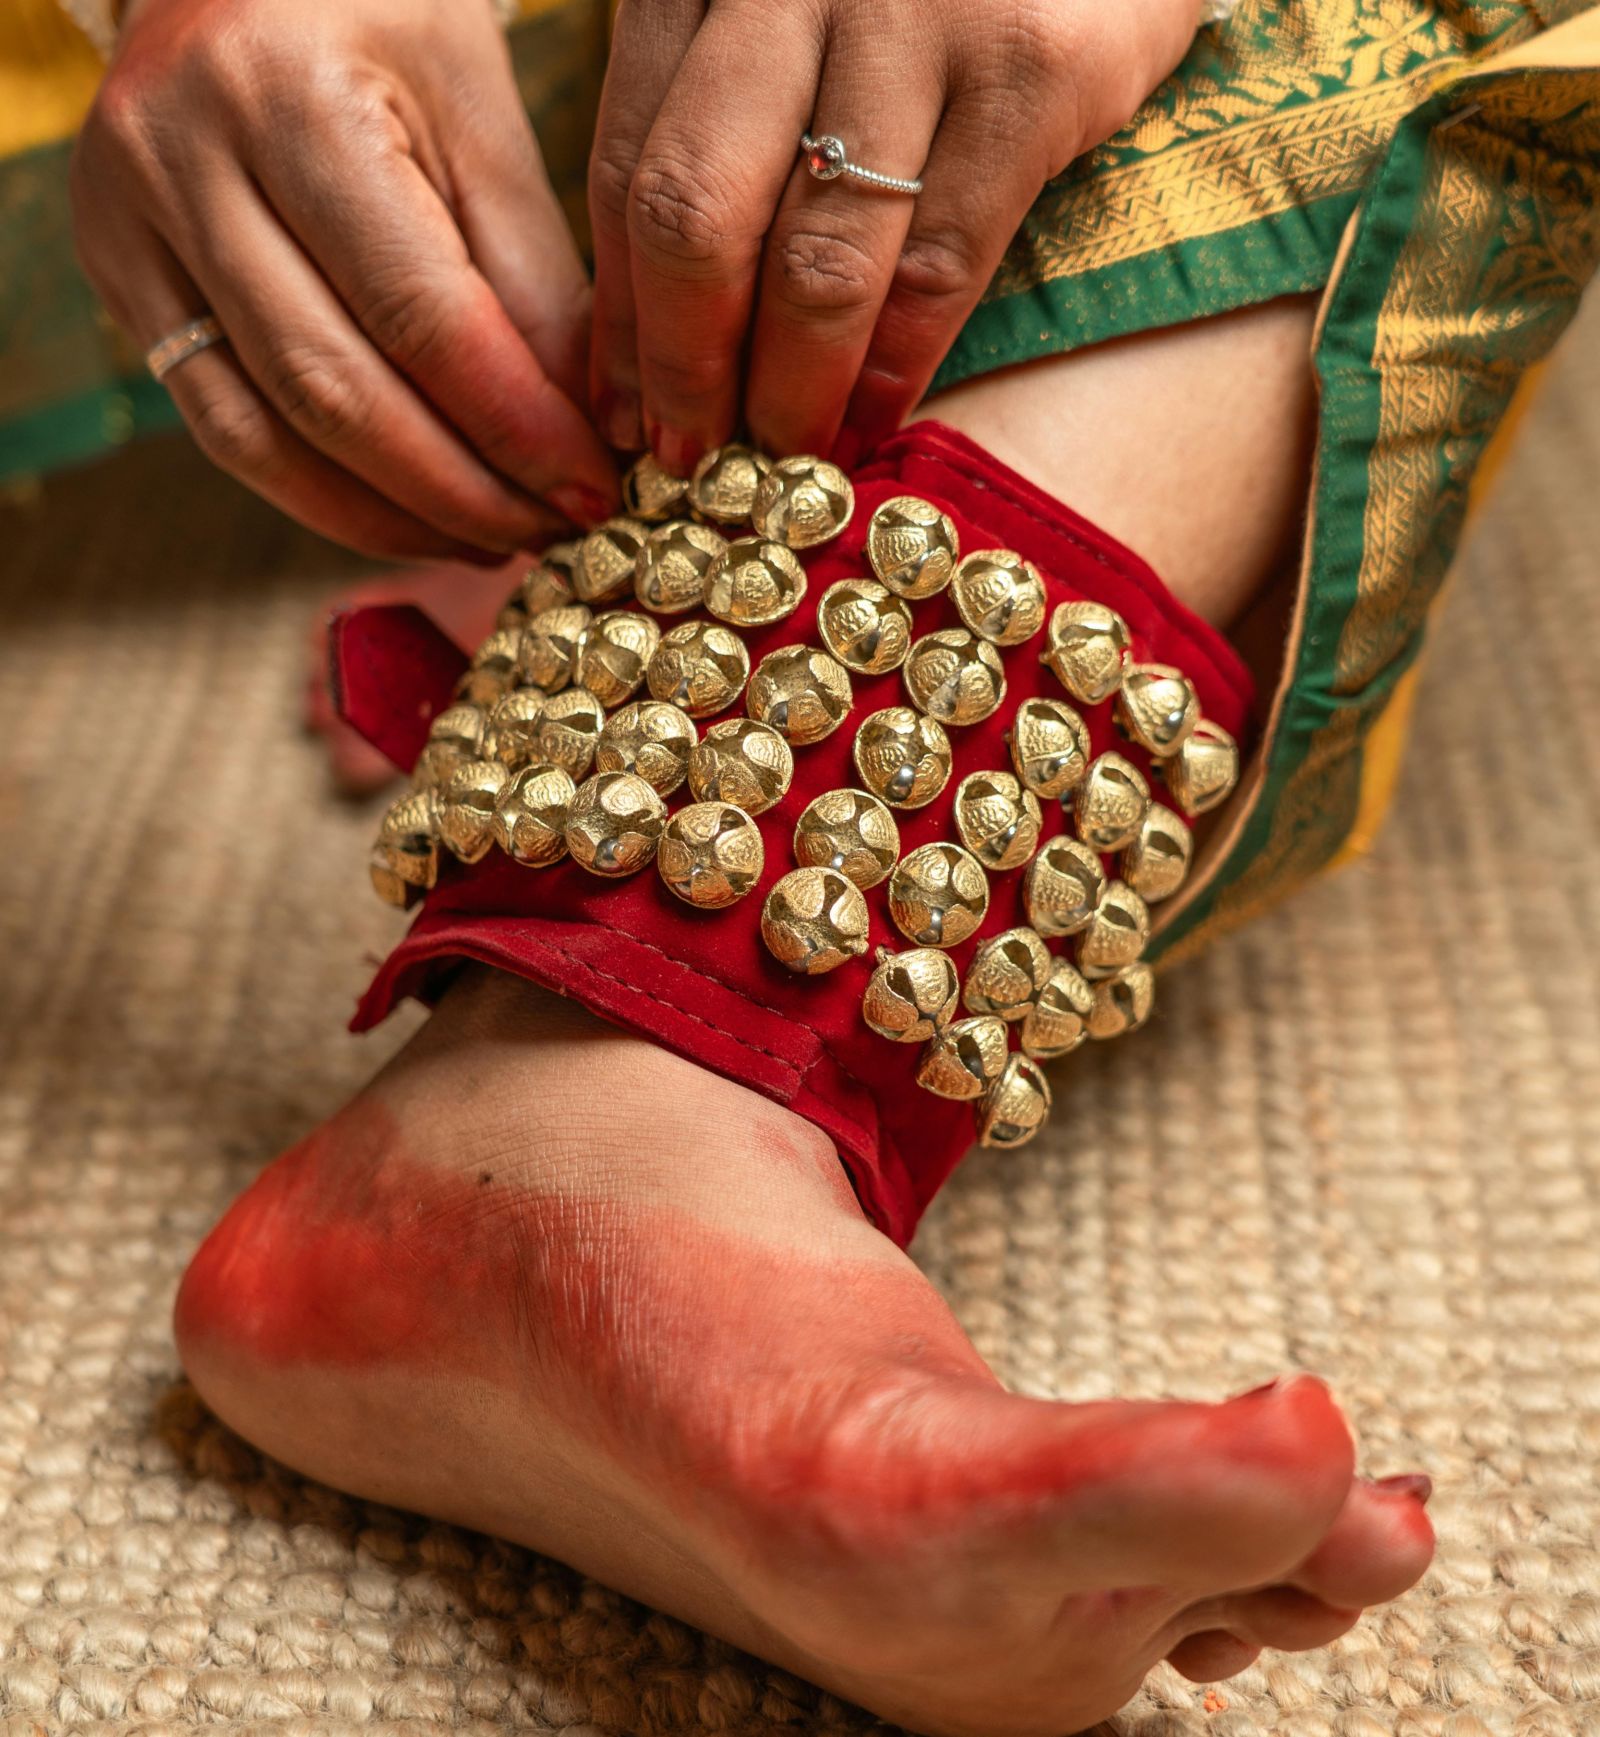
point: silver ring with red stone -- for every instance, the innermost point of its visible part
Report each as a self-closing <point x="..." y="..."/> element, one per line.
<point x="827" y="159"/>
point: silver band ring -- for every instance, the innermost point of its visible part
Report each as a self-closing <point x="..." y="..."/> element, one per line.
<point x="827" y="159"/>
<point x="190" y="339"/>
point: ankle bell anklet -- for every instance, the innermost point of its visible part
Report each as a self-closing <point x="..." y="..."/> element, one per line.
<point x="599" y="698"/>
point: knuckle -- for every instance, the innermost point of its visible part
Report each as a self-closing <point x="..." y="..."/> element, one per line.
<point x="233" y="434"/>
<point x="316" y="396"/>
<point x="938" y="266"/>
<point x="409" y="323"/>
<point x="679" y="213"/>
<point x="824" y="273"/>
<point x="611" y="170"/>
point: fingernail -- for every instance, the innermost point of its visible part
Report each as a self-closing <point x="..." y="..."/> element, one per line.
<point x="1416" y="1484"/>
<point x="583" y="506"/>
<point x="619" y="420"/>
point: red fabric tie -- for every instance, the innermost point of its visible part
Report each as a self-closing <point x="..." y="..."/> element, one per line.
<point x="702" y="983"/>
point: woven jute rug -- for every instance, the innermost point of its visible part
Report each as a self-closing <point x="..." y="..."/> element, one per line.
<point x="1379" y="1158"/>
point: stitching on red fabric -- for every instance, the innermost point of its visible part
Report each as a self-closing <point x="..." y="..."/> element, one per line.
<point x="1141" y="580"/>
<point x="567" y="953"/>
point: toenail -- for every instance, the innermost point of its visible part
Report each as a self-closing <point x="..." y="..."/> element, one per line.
<point x="1417" y="1484"/>
<point x="1263" y="1390"/>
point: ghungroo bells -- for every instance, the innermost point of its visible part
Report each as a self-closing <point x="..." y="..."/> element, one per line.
<point x="530" y="816"/>
<point x="903" y="757"/>
<point x="710" y="855"/>
<point x="814" y="920"/>
<point x="912" y="547"/>
<point x="851" y="831"/>
<point x="614" y="824"/>
<point x="530" y="761"/>
<point x="803" y="693"/>
<point x="938" y="895"/>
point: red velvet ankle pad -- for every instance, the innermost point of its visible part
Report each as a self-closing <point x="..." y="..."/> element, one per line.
<point x="702" y="983"/>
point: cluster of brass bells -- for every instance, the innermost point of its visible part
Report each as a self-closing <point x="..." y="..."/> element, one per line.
<point x="589" y="707"/>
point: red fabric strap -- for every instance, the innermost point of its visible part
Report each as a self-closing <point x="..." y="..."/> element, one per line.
<point x="702" y="983"/>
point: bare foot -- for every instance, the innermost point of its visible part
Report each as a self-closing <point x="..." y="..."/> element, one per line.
<point x="546" y="1280"/>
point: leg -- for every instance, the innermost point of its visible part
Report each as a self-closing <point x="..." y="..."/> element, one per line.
<point x="649" y="1332"/>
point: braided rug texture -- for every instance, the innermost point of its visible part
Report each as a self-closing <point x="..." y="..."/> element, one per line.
<point x="1363" y="1137"/>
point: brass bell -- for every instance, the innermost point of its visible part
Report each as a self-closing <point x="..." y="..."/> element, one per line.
<point x="530" y="817"/>
<point x="606" y="560"/>
<point x="851" y="831"/>
<point x="814" y="920"/>
<point x="1089" y="647"/>
<point x="1049" y="747"/>
<point x="912" y="547"/>
<point x="1007" y="974"/>
<point x="466" y="808"/>
<point x="999" y="596"/>
<point x="407" y="850"/>
<point x="512" y="734"/>
<point x="911" y="996"/>
<point x="388" y="885"/>
<point x="801" y="502"/>
<point x="724" y="483"/>
<point x="938" y="895"/>
<point x="548" y="584"/>
<point x="710" y="855"/>
<point x="651" y="738"/>
<point x="954" y="676"/>
<point x="865" y="626"/>
<point x="614" y="824"/>
<point x="754" y="582"/>
<point x="998" y="819"/>
<point x="1058" y="1021"/>
<point x="670" y="574"/>
<point x="903" y="757"/>
<point x="743" y="762"/>
<point x="1122" y="1003"/>
<point x="1062" y="887"/>
<point x="1015" y="1107"/>
<point x="701" y="666"/>
<point x="1157" y="707"/>
<point x="513" y="616"/>
<point x="552" y="644"/>
<point x="1155" y="864"/>
<point x="964" y="1059"/>
<point x="652" y="494"/>
<point x="803" y="693"/>
<point x="493" y="670"/>
<point x="570" y="730"/>
<point x="1116" y="934"/>
<point x="454" y="736"/>
<point x="616" y="650"/>
<point x="1204" y="770"/>
<point x="1110" y="804"/>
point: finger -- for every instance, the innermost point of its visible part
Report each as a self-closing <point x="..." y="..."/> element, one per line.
<point x="830" y="256"/>
<point x="151" y="295"/>
<point x="648" y="43"/>
<point x="972" y="202"/>
<point x="380" y="234"/>
<point x="708" y="183"/>
<point x="323" y="376"/>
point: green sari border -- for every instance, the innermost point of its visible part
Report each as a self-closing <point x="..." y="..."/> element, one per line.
<point x="1513" y="158"/>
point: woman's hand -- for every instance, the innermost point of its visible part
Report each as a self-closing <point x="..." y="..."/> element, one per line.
<point x="733" y="287"/>
<point x="353" y="189"/>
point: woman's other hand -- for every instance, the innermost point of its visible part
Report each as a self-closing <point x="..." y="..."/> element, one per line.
<point x="732" y="287"/>
<point x="352" y="188"/>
